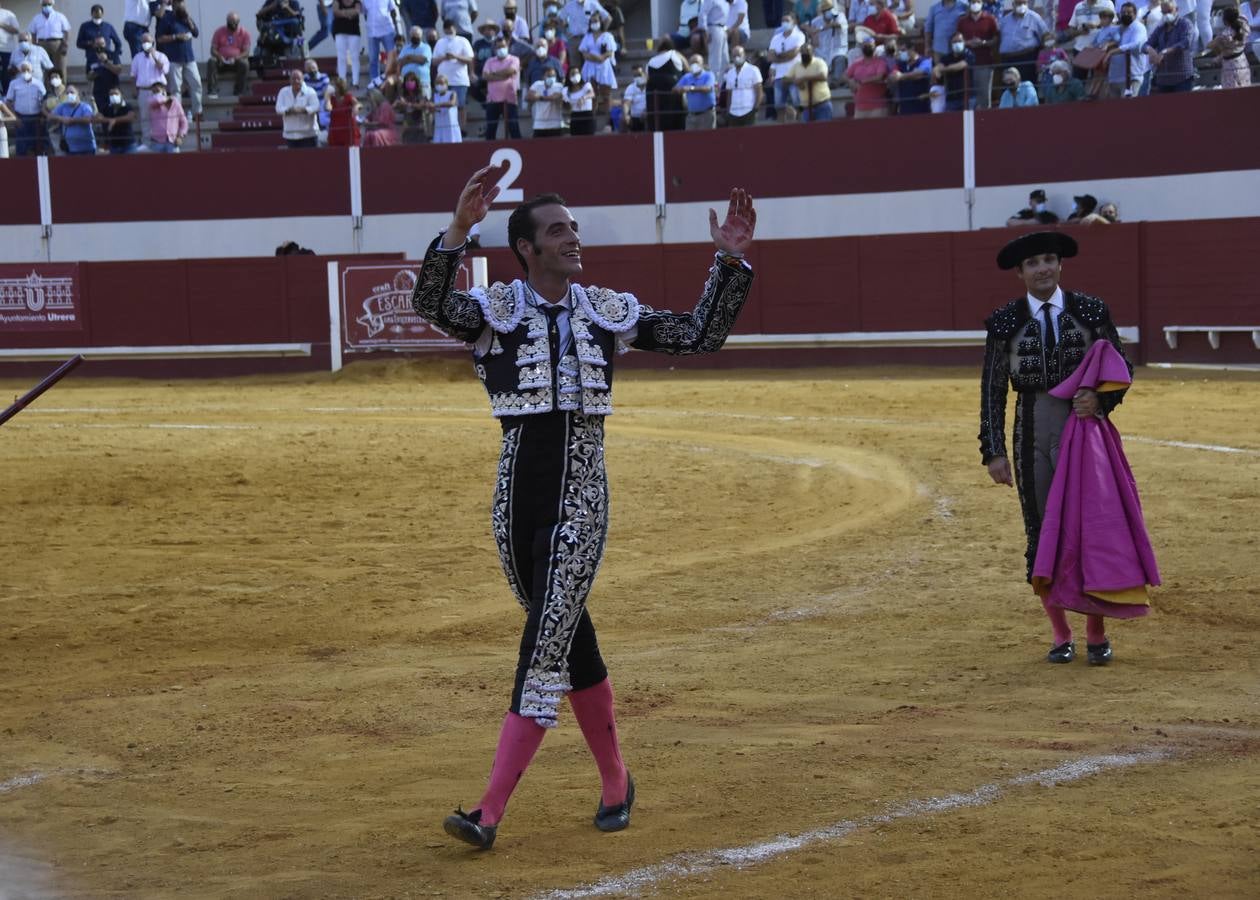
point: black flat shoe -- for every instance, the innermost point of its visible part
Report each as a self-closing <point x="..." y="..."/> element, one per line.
<point x="468" y="828"/>
<point x="1064" y="653"/>
<point x="1099" y="654"/>
<point x="615" y="818"/>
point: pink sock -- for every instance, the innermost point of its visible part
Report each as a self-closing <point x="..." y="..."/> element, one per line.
<point x="1095" y="630"/>
<point x="593" y="708"/>
<point x="1058" y="622"/>
<point x="518" y="742"/>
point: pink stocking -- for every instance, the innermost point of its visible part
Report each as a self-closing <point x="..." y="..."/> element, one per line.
<point x="1095" y="630"/>
<point x="593" y="708"/>
<point x="1058" y="622"/>
<point x="518" y="742"/>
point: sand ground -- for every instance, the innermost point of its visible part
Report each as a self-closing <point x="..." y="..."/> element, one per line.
<point x="254" y="643"/>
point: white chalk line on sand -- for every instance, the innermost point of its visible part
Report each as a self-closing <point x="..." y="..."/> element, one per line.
<point x="687" y="865"/>
<point x="21" y="781"/>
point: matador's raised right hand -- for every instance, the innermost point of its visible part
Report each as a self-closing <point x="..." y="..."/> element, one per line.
<point x="474" y="202"/>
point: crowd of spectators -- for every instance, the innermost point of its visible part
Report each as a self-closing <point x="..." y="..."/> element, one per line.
<point x="562" y="71"/>
<point x="1086" y="210"/>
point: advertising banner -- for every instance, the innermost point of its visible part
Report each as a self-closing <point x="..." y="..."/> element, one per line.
<point x="376" y="311"/>
<point x="40" y="297"/>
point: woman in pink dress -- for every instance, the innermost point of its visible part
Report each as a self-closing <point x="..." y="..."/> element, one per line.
<point x="382" y="124"/>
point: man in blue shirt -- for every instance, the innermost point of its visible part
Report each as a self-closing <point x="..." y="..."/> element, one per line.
<point x="96" y="27"/>
<point x="699" y="87"/>
<point x="941" y="23"/>
<point x="104" y="69"/>
<point x="76" y="118"/>
<point x="912" y="78"/>
<point x="1021" y="30"/>
<point x="951" y="71"/>
<point x="175" y="32"/>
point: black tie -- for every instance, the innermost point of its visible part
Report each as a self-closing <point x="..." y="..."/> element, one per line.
<point x="1047" y="328"/>
<point x="553" y="337"/>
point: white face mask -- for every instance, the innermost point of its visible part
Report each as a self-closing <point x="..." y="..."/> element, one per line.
<point x="575" y="79"/>
<point x="640" y="80"/>
<point x="540" y="52"/>
<point x="115" y="99"/>
<point x="27" y="76"/>
<point x="786" y="27"/>
<point x="975" y="8"/>
<point x="904" y="55"/>
<point x="441" y="87"/>
<point x="96" y="20"/>
<point x="48" y="10"/>
<point x="1057" y="79"/>
<point x="958" y="48"/>
<point x="695" y="68"/>
<point x="550" y="34"/>
<point x="160" y="98"/>
<point x="596" y="26"/>
<point x="55" y="81"/>
<point x="500" y="52"/>
<point x="24" y="46"/>
<point x="1021" y="8"/>
<point x="738" y="60"/>
<point x="549" y="80"/>
<point x="146" y="46"/>
<point x="72" y="98"/>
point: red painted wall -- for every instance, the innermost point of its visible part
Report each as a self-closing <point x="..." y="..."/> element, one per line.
<point x="20" y="205"/>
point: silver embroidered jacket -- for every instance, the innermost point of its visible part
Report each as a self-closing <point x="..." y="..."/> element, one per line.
<point x="517" y="369"/>
<point x="1014" y="352"/>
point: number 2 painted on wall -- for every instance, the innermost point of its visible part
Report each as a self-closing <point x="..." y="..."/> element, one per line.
<point x="507" y="193"/>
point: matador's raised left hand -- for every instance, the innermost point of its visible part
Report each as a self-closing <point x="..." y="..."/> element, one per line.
<point x="736" y="233"/>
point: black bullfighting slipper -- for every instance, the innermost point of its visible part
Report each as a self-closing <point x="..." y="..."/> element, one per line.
<point x="1064" y="653"/>
<point x="1099" y="654"/>
<point x="468" y="828"/>
<point x="615" y="818"/>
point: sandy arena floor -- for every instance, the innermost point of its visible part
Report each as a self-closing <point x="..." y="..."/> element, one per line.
<point x="254" y="643"/>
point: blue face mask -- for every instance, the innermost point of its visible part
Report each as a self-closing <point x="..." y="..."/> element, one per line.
<point x="786" y="27"/>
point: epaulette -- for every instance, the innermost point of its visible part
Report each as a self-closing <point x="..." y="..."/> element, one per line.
<point x="1004" y="320"/>
<point x="1090" y="310"/>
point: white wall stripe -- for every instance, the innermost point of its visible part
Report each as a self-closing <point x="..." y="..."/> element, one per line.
<point x="45" y="191"/>
<point x="334" y="317"/>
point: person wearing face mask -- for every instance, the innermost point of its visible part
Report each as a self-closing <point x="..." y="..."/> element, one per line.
<point x="32" y="54"/>
<point x="743" y="91"/>
<point x="321" y="84"/>
<point x="577" y="15"/>
<point x="1049" y="54"/>
<point x="25" y="97"/>
<point x="634" y="102"/>
<point x="911" y="79"/>
<point x="96" y="27"/>
<point x="483" y="49"/>
<point x="667" y="111"/>
<point x="979" y="30"/>
<point x="412" y="106"/>
<point x="540" y="60"/>
<point x="881" y="22"/>
<point x="1086" y="19"/>
<point x="502" y="73"/>
<point x="75" y="116"/>
<point x="810" y="74"/>
<point x="1108" y="214"/>
<point x="1016" y="92"/>
<point x="55" y="97"/>
<point x="556" y="46"/>
<point x="1230" y="46"/>
<point x="1128" y="65"/>
<point x="599" y="62"/>
<point x="136" y="17"/>
<point x="698" y="87"/>
<point x="951" y="73"/>
<point x="51" y="30"/>
<point x="829" y="33"/>
<point x="416" y="58"/>
<point x="546" y="97"/>
<point x="1171" y="51"/>
<point x="941" y="24"/>
<point x="868" y="78"/>
<point x="229" y="51"/>
<point x="1036" y="212"/>
<point x="103" y="71"/>
<point x="454" y="57"/>
<point x="1021" y="31"/>
<point x="514" y="24"/>
<point x="298" y="105"/>
<point x="785" y="48"/>
<point x="579" y="98"/>
<point x="176" y="31"/>
<point x="118" y="118"/>
<point x="148" y="70"/>
<point x="715" y="14"/>
<point x="168" y="125"/>
<point x="1063" y="86"/>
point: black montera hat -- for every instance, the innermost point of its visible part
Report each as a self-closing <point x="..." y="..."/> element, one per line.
<point x="1032" y="244"/>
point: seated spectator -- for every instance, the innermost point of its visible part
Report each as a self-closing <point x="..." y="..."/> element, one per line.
<point x="33" y="55"/>
<point x="1064" y="87"/>
<point x="911" y="79"/>
<point x="1082" y="206"/>
<point x="293" y="248"/>
<point x="540" y="61"/>
<point x="381" y="128"/>
<point x="810" y="76"/>
<point x="298" y="108"/>
<point x="103" y="70"/>
<point x="75" y="117"/>
<point x="829" y="33"/>
<point x="51" y="30"/>
<point x="599" y="61"/>
<point x="882" y="23"/>
<point x="952" y="72"/>
<point x="229" y="49"/>
<point x="869" y="79"/>
<point x="168" y="125"/>
<point x="1231" y="46"/>
<point x="699" y="88"/>
<point x="445" y="113"/>
<point x="1016" y="93"/>
<point x="25" y="97"/>
<point x="502" y="73"/>
<point x="1036" y="213"/>
<point x="97" y="27"/>
<point x="416" y="58"/>
<point x="1020" y="37"/>
<point x="1171" y="51"/>
<point x="1049" y="54"/>
<point x="634" y="102"/>
<point x="579" y="97"/>
<point x="743" y="90"/>
<point x="412" y="104"/>
<point x="1129" y="66"/>
<point x="343" y="116"/>
<point x="119" y="119"/>
<point x="1108" y="214"/>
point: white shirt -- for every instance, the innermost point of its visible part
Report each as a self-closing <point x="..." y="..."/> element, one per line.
<point x="739" y="8"/>
<point x="136" y="11"/>
<point x="1152" y="17"/>
<point x="379" y="22"/>
<point x="482" y="345"/>
<point x="520" y="29"/>
<point x="1056" y="309"/>
<point x="1134" y="38"/>
<point x="714" y="13"/>
<point x="637" y="98"/>
<point x="690" y="9"/>
<point x="455" y="71"/>
<point x="547" y="115"/>
<point x="583" y="100"/>
<point x="742" y="83"/>
<point x="53" y="27"/>
<point x="786" y="43"/>
<point x="1086" y="13"/>
<point x="302" y="123"/>
<point x="8" y="42"/>
<point x="150" y="70"/>
<point x="833" y="36"/>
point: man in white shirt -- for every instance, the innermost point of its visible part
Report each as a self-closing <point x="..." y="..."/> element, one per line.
<point x="148" y="69"/>
<point x="785" y="48"/>
<point x="519" y="28"/>
<point x="634" y="102"/>
<point x="453" y="56"/>
<point x="830" y="35"/>
<point x="9" y="31"/>
<point x="715" y="14"/>
<point x="743" y="87"/>
<point x="51" y="30"/>
<point x="298" y="108"/>
<point x="29" y="52"/>
<point x="737" y="28"/>
<point x="546" y="97"/>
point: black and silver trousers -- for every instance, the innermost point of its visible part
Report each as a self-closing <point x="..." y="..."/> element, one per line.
<point x="550" y="521"/>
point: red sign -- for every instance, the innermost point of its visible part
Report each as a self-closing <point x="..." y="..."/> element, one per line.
<point x="40" y="297"/>
<point x="376" y="311"/>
